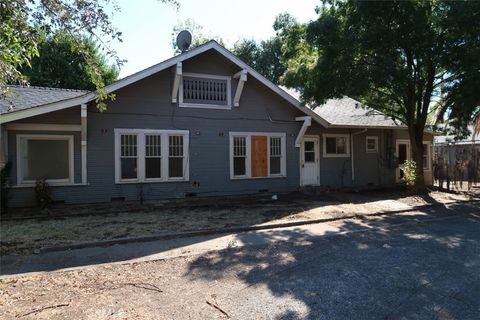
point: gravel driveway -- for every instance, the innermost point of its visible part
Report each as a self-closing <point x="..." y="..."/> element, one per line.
<point x="395" y="267"/>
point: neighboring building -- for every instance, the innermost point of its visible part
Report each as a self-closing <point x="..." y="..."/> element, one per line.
<point x="202" y="123"/>
<point x="460" y="157"/>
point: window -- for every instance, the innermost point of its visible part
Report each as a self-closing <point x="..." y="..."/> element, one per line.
<point x="205" y="91"/>
<point x="239" y="156"/>
<point x="128" y="156"/>
<point x="426" y="156"/>
<point x="335" y="145"/>
<point x="151" y="155"/>
<point x="257" y="155"/>
<point x="275" y="155"/>
<point x="372" y="144"/>
<point x="47" y="157"/>
<point x="175" y="156"/>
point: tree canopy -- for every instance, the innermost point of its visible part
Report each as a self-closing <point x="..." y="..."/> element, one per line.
<point x="60" y="65"/>
<point x="263" y="56"/>
<point x="398" y="57"/>
<point x="19" y="37"/>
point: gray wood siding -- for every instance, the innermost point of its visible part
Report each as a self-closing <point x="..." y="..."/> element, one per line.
<point x="147" y="104"/>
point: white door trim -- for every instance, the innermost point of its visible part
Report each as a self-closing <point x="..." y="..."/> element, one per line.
<point x="316" y="139"/>
<point x="409" y="155"/>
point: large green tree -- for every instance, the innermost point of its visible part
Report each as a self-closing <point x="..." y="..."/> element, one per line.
<point x="263" y="56"/>
<point x="19" y="38"/>
<point x="398" y="57"/>
<point x="60" y="65"/>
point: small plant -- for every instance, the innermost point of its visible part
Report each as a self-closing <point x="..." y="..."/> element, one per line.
<point x="42" y="193"/>
<point x="4" y="190"/>
<point x="409" y="168"/>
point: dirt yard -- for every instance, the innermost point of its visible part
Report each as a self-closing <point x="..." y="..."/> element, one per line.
<point x="24" y="236"/>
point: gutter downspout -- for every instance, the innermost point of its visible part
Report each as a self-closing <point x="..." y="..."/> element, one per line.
<point x="351" y="152"/>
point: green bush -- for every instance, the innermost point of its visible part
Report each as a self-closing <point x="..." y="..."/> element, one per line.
<point x="409" y="172"/>
<point x="42" y="193"/>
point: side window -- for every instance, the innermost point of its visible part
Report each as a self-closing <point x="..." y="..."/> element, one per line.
<point x="175" y="156"/>
<point x="239" y="156"/>
<point x="372" y="144"/>
<point x="336" y="145"/>
<point x="275" y="155"/>
<point x="128" y="156"/>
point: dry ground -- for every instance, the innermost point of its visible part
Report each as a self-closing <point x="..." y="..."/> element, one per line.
<point x="398" y="269"/>
<point x="28" y="235"/>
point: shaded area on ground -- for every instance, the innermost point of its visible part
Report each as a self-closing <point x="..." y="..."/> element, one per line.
<point x="27" y="235"/>
<point x="424" y="271"/>
<point x="391" y="267"/>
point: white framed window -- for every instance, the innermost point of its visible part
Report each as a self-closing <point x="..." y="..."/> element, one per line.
<point x="257" y="155"/>
<point x="47" y="157"/>
<point x="371" y="144"/>
<point x="143" y="155"/>
<point x="205" y="91"/>
<point x="427" y="155"/>
<point x="335" y="145"/>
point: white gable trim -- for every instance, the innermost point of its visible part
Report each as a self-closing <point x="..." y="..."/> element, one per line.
<point x="157" y="68"/>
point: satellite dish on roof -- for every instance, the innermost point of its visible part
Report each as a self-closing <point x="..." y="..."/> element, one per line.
<point x="184" y="40"/>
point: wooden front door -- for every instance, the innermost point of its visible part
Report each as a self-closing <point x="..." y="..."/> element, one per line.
<point x="259" y="156"/>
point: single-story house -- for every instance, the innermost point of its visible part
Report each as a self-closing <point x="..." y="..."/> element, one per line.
<point x="202" y="123"/>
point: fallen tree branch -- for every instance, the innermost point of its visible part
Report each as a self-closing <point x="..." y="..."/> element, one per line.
<point x="218" y="308"/>
<point x="43" y="309"/>
<point x="146" y="286"/>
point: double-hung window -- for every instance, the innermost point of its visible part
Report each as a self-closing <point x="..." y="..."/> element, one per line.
<point x="151" y="155"/>
<point x="257" y="155"/>
<point x="335" y="145"/>
<point x="47" y="157"/>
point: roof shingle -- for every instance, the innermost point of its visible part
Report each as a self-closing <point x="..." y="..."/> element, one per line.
<point x="25" y="97"/>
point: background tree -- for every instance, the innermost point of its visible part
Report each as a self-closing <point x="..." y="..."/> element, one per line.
<point x="60" y="65"/>
<point x="19" y="38"/>
<point x="396" y="57"/>
<point x="264" y="56"/>
<point x="199" y="34"/>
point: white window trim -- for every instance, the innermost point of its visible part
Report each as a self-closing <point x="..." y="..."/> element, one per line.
<point x="52" y="182"/>
<point x="228" y="106"/>
<point x="248" y="171"/>
<point x="336" y="155"/>
<point x="429" y="156"/>
<point x="376" y="144"/>
<point x="164" y="144"/>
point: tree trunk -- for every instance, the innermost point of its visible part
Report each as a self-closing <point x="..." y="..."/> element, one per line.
<point x="416" y="141"/>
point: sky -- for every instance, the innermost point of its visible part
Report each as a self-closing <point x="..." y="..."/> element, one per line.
<point x="146" y="25"/>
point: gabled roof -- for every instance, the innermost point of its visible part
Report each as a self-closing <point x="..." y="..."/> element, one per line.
<point x="211" y="45"/>
<point x="25" y="97"/>
<point x="349" y="113"/>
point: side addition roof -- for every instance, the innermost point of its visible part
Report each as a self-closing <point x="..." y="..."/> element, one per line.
<point x="26" y="97"/>
<point x="349" y="113"/>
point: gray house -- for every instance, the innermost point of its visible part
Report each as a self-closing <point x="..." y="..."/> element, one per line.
<point x="202" y="123"/>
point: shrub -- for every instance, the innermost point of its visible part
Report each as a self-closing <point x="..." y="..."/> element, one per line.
<point x="4" y="190"/>
<point x="409" y="172"/>
<point x="42" y="193"/>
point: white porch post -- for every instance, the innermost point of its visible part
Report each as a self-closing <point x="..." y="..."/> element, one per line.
<point x="83" y="134"/>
